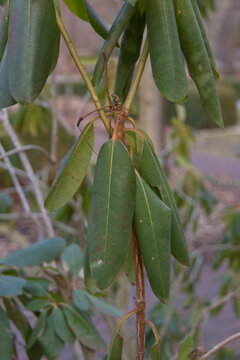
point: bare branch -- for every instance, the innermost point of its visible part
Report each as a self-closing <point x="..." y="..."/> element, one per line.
<point x="223" y="343"/>
<point x="28" y="148"/>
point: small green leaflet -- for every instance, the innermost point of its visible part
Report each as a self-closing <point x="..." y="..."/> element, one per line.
<point x="72" y="171"/>
<point x="185" y="347"/>
<point x="115" y="349"/>
<point x="6" y="337"/>
<point x="36" y="330"/>
<point x="61" y="326"/>
<point x="43" y="251"/>
<point x="73" y="257"/>
<point x="52" y="345"/>
<point x="11" y="285"/>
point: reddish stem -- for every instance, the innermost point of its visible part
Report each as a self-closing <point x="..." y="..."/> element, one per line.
<point x="140" y="297"/>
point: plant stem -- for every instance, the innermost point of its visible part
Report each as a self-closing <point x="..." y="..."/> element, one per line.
<point x="84" y="74"/>
<point x="140" y="297"/>
<point x="136" y="81"/>
<point x="217" y="347"/>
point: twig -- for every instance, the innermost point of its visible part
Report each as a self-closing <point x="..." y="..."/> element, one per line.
<point x="27" y="148"/>
<point x="54" y="137"/>
<point x="29" y="170"/>
<point x="221" y="345"/>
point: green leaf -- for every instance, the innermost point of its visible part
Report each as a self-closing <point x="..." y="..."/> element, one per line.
<point x="129" y="267"/>
<point x="115" y="349"/>
<point x="45" y="250"/>
<point x="151" y="170"/>
<point x="6" y="337"/>
<point x="131" y="2"/>
<point x="165" y="50"/>
<point x="6" y="98"/>
<point x="142" y="6"/>
<point x="73" y="257"/>
<point x="104" y="306"/>
<point x="36" y="304"/>
<point x="156" y="351"/>
<point x="84" y="10"/>
<point x="73" y="170"/>
<point x="111" y="212"/>
<point x="196" y="55"/>
<point x="16" y="316"/>
<point x="11" y="285"/>
<point x="152" y="220"/>
<point x="185" y="347"/>
<point x="37" y="286"/>
<point x="88" y="279"/>
<point x="83" y="328"/>
<point x="80" y="299"/>
<point x="31" y="37"/>
<point x="52" y="345"/>
<point x="61" y="326"/>
<point x="3" y="32"/>
<point x="36" y="330"/>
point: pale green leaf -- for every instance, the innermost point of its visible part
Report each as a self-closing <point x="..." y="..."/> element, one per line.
<point x="11" y="285"/>
<point x="185" y="348"/>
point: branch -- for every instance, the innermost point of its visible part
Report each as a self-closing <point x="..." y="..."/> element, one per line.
<point x="220" y="345"/>
<point x="54" y="137"/>
<point x="28" y="148"/>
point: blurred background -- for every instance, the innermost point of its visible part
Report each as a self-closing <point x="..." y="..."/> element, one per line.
<point x="202" y="163"/>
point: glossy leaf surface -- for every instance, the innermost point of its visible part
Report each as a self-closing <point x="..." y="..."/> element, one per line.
<point x="111" y="212"/>
<point x="151" y="170"/>
<point x="83" y="328"/>
<point x="197" y="59"/>
<point x="6" y="98"/>
<point x="152" y="220"/>
<point x="11" y="285"/>
<point x="31" y="37"/>
<point x="6" y="337"/>
<point x="45" y="250"/>
<point x="115" y="349"/>
<point x="73" y="170"/>
<point x="73" y="257"/>
<point x="165" y="50"/>
<point x="61" y="326"/>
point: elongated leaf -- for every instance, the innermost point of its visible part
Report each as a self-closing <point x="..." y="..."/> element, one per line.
<point x="84" y="10"/>
<point x="17" y="317"/>
<point x="73" y="170"/>
<point x="185" y="348"/>
<point x="152" y="220"/>
<point x="80" y="299"/>
<point x="45" y="250"/>
<point x="6" y="98"/>
<point x="196" y="55"/>
<point x="115" y="349"/>
<point x="61" y="326"/>
<point x="156" y="351"/>
<point x="3" y="32"/>
<point x="83" y="328"/>
<point x="111" y="212"/>
<point x="37" y="286"/>
<point x="11" y="285"/>
<point x="151" y="170"/>
<point x="51" y="343"/>
<point x="31" y="37"/>
<point x="104" y="306"/>
<point x="6" y="337"/>
<point x="129" y="267"/>
<point x="37" y="304"/>
<point x="73" y="257"/>
<point x="36" y="330"/>
<point x="88" y="279"/>
<point x="165" y="50"/>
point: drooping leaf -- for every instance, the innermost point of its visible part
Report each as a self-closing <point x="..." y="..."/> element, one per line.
<point x="156" y="352"/>
<point x="83" y="328"/>
<point x="165" y="50"/>
<point x="152" y="220"/>
<point x="111" y="212"/>
<point x="185" y="347"/>
<point x="6" y="98"/>
<point x="84" y="10"/>
<point x="36" y="330"/>
<point x="3" y="31"/>
<point x="80" y="299"/>
<point x="115" y="349"/>
<point x="73" y="170"/>
<point x="61" y="326"/>
<point x="151" y="170"/>
<point x="11" y="285"/>
<point x="36" y="304"/>
<point x="43" y="251"/>
<point x="51" y="343"/>
<point x="129" y="267"/>
<point x="88" y="279"/>
<point x="31" y="37"/>
<point x="73" y="257"/>
<point x="6" y="337"/>
<point x="104" y="306"/>
<point x="16" y="316"/>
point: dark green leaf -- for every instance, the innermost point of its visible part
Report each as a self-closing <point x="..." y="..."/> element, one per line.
<point x="165" y="50"/>
<point x="104" y="306"/>
<point x="152" y="220"/>
<point x="16" y="316"/>
<point x="37" y="286"/>
<point x="80" y="299"/>
<point x="6" y="98"/>
<point x="185" y="348"/>
<point x="11" y="285"/>
<point x="45" y="250"/>
<point x="111" y="212"/>
<point x="6" y="337"/>
<point x="36" y="330"/>
<point x="52" y="345"/>
<point x="83" y="329"/>
<point x="131" y="2"/>
<point x="73" y="257"/>
<point x="73" y="170"/>
<point x="129" y="267"/>
<point x="37" y="304"/>
<point x="61" y="326"/>
<point x="151" y="170"/>
<point x="3" y="32"/>
<point x="142" y="6"/>
<point x="31" y="37"/>
<point x="156" y="351"/>
<point x="115" y="349"/>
